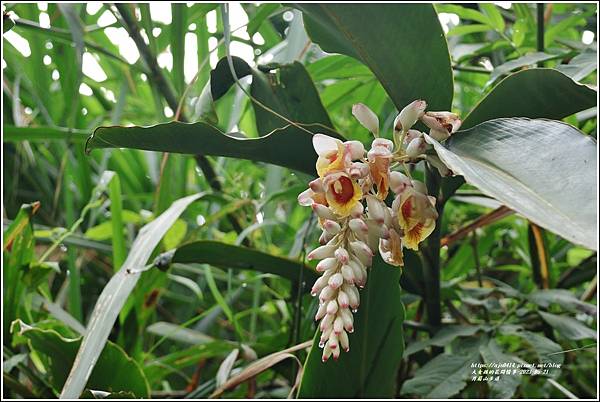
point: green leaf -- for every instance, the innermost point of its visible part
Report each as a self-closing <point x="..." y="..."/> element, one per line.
<point x="467" y="29"/>
<point x="506" y="386"/>
<point x="113" y="372"/>
<point x="227" y="256"/>
<point x="493" y="14"/>
<point x="444" y="376"/>
<point x="526" y="60"/>
<point x="178" y="28"/>
<point x="544" y="170"/>
<point x="533" y="93"/>
<point x="411" y="61"/>
<point x="569" y="327"/>
<point x="443" y="337"/>
<point x="16" y="134"/>
<point x="263" y="12"/>
<point x="7" y="22"/>
<point x="464" y="13"/>
<point x="289" y="147"/>
<point x="115" y="294"/>
<point x="579" y="66"/>
<point x="369" y="369"/>
<point x="564" y="298"/>
<point x="547" y="350"/>
<point x="178" y="333"/>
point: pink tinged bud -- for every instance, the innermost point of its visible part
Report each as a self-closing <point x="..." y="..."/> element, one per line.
<point x="411" y="135"/>
<point x="362" y="251"/>
<point x="325" y="237"/>
<point x="335" y="353"/>
<point x="305" y="198"/>
<point x="338" y="325"/>
<point x="325" y="337"/>
<point x="323" y="212"/>
<point x="326" y="353"/>
<point x="354" y="299"/>
<point x="357" y="271"/>
<point x="416" y="147"/>
<point x="348" y="274"/>
<point x="326" y="264"/>
<point x="366" y="117"/>
<point x="326" y="294"/>
<point x="321" y="252"/>
<point x="409" y="115"/>
<point x="344" y="341"/>
<point x="356" y="149"/>
<point x="342" y="255"/>
<point x="357" y="225"/>
<point x="332" y="307"/>
<point x="378" y="152"/>
<point x="317" y="186"/>
<point x="321" y="311"/>
<point x="357" y="210"/>
<point x="399" y="182"/>
<point x="348" y="319"/>
<point x="439" y="135"/>
<point x="319" y="285"/>
<point x="324" y="144"/>
<point x="332" y="227"/>
<point x="342" y="299"/>
<point x="333" y="341"/>
<point x="383" y="142"/>
<point x="419" y="186"/>
<point x="336" y="280"/>
<point x="326" y="323"/>
<point x="375" y="209"/>
<point x="359" y="170"/>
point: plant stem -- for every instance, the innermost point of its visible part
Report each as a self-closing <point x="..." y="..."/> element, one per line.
<point x="540" y="30"/>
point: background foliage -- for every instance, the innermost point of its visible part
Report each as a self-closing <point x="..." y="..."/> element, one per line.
<point x="235" y="289"/>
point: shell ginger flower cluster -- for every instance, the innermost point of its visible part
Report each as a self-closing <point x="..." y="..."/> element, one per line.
<point x="349" y="199"/>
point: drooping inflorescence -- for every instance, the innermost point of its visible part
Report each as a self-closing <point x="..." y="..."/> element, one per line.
<point x="349" y="199"/>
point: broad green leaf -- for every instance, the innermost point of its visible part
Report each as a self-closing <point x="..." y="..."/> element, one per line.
<point x="289" y="147"/>
<point x="534" y="93"/>
<point x="493" y="14"/>
<point x="464" y="13"/>
<point x="263" y="12"/>
<point x="547" y="350"/>
<point x="115" y="294"/>
<point x="444" y="376"/>
<point x="178" y="333"/>
<point x="467" y="29"/>
<point x="369" y="369"/>
<point x="579" y="66"/>
<point x="569" y="327"/>
<point x="526" y="60"/>
<point x="238" y="257"/>
<point x="178" y="28"/>
<point x="411" y="61"/>
<point x="113" y="372"/>
<point x="506" y="386"/>
<point x="544" y="170"/>
<point x="443" y="337"/>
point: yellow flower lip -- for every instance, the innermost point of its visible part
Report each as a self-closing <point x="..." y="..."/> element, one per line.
<point x="416" y="217"/>
<point x="342" y="193"/>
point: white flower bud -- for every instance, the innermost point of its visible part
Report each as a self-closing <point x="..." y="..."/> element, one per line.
<point x="332" y="227"/>
<point x="411" y="135"/>
<point x="356" y="149"/>
<point x="317" y="186"/>
<point x="327" y="321"/>
<point x="409" y="115"/>
<point x="353" y="296"/>
<point x="332" y="307"/>
<point x="326" y="294"/>
<point x="362" y="251"/>
<point x="333" y="341"/>
<point x="357" y="210"/>
<point x="416" y="147"/>
<point x="335" y="353"/>
<point x="399" y="182"/>
<point x="326" y="353"/>
<point x="338" y="325"/>
<point x="305" y="198"/>
<point x="366" y="117"/>
<point x="327" y="263"/>
<point x="383" y="142"/>
<point x="348" y="274"/>
<point x="348" y="319"/>
<point x="323" y="211"/>
<point x="359" y="170"/>
<point x="321" y="252"/>
<point x="321" y="311"/>
<point x="336" y="280"/>
<point x="357" y="225"/>
<point x="357" y="271"/>
<point x="342" y="255"/>
<point x="375" y="209"/>
<point x="320" y="283"/>
<point x="342" y="299"/>
<point x="344" y="342"/>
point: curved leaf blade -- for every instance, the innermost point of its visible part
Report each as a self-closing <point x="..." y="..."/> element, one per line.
<point x="543" y="169"/>
<point x="533" y="93"/>
<point x="238" y="257"/>
<point x="369" y="369"/>
<point x="289" y="146"/>
<point x="410" y="62"/>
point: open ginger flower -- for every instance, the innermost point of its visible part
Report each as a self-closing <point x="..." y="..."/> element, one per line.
<point x="335" y="155"/>
<point x="416" y="215"/>
<point x="342" y="193"/>
<point x="379" y="158"/>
